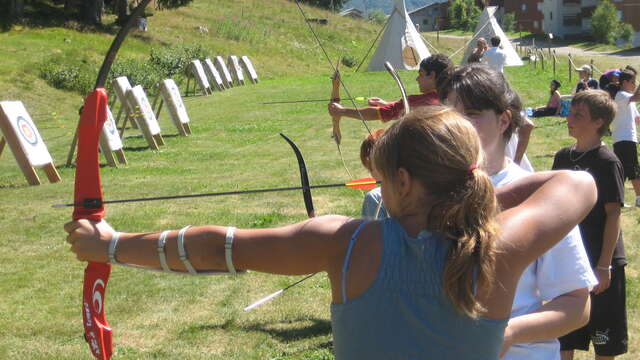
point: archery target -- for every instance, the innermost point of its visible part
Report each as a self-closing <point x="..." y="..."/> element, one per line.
<point x="171" y="96"/>
<point x="110" y="132"/>
<point x="143" y="110"/>
<point x="248" y="65"/>
<point x="199" y="74"/>
<point x="222" y="68"/>
<point x="234" y="64"/>
<point x="26" y="132"/>
<point x="121" y="85"/>
<point x="410" y="56"/>
<point x="213" y="73"/>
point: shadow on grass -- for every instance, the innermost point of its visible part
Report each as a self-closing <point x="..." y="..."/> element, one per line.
<point x="284" y="331"/>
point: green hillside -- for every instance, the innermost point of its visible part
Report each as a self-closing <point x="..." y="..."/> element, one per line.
<point x="234" y="146"/>
<point x="275" y="37"/>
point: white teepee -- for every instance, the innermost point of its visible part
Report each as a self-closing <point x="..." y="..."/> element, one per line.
<point x="487" y="28"/>
<point x="401" y="44"/>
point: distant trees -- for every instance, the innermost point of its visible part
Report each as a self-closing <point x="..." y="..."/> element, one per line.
<point x="606" y="26"/>
<point x="87" y="11"/>
<point x="509" y="22"/>
<point x="464" y="14"/>
<point x="377" y="16"/>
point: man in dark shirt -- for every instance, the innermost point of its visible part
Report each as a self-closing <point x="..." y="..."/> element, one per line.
<point x="591" y="113"/>
<point x="430" y="70"/>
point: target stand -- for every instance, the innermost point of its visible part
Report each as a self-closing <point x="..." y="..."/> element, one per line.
<point x="24" y="140"/>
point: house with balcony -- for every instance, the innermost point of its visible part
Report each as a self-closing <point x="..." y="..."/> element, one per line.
<point x="431" y="17"/>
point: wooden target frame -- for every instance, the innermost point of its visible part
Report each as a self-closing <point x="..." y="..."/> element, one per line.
<point x="213" y="74"/>
<point x="236" y="73"/>
<point x="224" y="71"/>
<point x="201" y="78"/>
<point x="171" y="96"/>
<point x="25" y="142"/>
<point x="120" y="86"/>
<point x="247" y="65"/>
<point x="143" y="113"/>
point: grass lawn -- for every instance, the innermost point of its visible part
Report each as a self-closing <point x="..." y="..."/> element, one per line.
<point x="235" y="145"/>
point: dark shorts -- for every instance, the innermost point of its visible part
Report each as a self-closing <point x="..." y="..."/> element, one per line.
<point x="627" y="152"/>
<point x="607" y="327"/>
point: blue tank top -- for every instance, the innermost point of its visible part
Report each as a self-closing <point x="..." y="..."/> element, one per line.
<point x="405" y="313"/>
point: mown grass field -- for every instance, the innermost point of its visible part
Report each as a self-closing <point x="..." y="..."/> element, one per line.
<point x="235" y="145"/>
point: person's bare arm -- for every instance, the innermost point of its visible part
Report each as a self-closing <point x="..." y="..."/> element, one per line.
<point x="537" y="216"/>
<point x="301" y="248"/>
<point x="609" y="240"/>
<point x="366" y="113"/>
<point x="558" y="317"/>
<point x="524" y="133"/>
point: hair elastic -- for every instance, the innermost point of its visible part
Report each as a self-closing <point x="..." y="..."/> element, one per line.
<point x="472" y="168"/>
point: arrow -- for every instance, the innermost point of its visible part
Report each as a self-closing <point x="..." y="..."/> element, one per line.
<point x="361" y="98"/>
<point x="276" y="294"/>
<point x="367" y="183"/>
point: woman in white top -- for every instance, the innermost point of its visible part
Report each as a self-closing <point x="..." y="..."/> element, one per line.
<point x="562" y="276"/>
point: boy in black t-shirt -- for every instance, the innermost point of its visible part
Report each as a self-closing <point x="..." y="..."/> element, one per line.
<point x="591" y="113"/>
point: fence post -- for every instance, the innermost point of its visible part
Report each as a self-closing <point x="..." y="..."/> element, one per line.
<point x="542" y="58"/>
<point x="570" y="69"/>
<point x="554" y="64"/>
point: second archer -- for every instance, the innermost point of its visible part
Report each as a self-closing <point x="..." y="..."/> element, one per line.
<point x="431" y="69"/>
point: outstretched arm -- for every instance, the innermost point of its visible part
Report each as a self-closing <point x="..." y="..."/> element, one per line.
<point x="301" y="248"/>
<point x="368" y="113"/>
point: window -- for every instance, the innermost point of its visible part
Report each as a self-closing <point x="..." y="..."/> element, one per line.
<point x="535" y="24"/>
<point x="551" y="15"/>
<point x="524" y="7"/>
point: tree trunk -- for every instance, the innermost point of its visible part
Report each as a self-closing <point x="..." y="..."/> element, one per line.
<point x="16" y="9"/>
<point x="92" y="11"/>
<point x="122" y="10"/>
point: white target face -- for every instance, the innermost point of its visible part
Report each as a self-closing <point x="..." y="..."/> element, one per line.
<point x="110" y="132"/>
<point x="138" y="100"/>
<point x="171" y="96"/>
<point x="26" y="133"/>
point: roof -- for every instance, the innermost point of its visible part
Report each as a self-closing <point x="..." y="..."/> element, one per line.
<point x="426" y="6"/>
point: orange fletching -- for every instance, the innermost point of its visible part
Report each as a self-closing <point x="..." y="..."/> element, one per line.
<point x="362" y="184"/>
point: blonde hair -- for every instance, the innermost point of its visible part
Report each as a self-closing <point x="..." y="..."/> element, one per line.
<point x="441" y="150"/>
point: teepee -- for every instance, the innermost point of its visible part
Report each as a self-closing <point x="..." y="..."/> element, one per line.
<point x="487" y="28"/>
<point x="401" y="44"/>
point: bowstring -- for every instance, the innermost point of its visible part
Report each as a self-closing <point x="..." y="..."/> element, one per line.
<point x="344" y="86"/>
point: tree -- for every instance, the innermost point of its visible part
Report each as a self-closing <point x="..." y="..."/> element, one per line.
<point x="464" y="14"/>
<point x="376" y="16"/>
<point x="606" y="26"/>
<point x="509" y="22"/>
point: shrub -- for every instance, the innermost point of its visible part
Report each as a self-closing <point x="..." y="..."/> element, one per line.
<point x="80" y="79"/>
<point x="172" y="61"/>
<point x="509" y="22"/>
<point x="377" y="16"/>
<point x="606" y="26"/>
<point x="349" y="61"/>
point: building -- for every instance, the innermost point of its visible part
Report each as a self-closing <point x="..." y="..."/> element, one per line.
<point x="431" y="17"/>
<point x="353" y="12"/>
<point x="566" y="18"/>
<point x="528" y="15"/>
